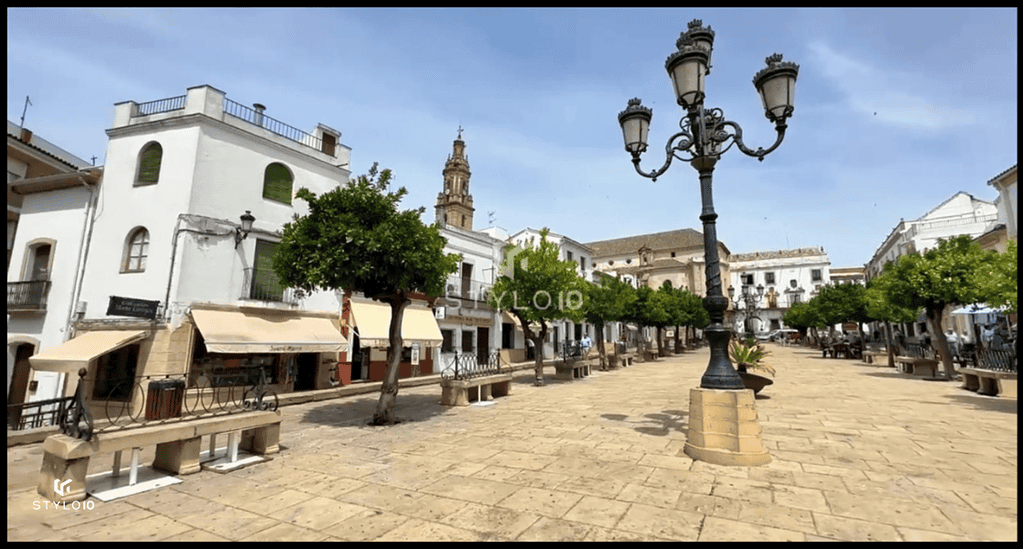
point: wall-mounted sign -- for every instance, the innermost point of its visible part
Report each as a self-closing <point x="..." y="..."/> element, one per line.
<point x="438" y="313"/>
<point x="415" y="354"/>
<point x="129" y="306"/>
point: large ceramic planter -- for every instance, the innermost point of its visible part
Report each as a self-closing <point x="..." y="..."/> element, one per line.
<point x="754" y="381"/>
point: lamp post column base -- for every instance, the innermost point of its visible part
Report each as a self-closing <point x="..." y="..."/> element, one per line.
<point x="724" y="428"/>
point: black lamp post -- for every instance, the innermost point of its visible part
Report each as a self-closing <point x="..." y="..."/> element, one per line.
<point x="241" y="233"/>
<point x="704" y="133"/>
<point x="749" y="301"/>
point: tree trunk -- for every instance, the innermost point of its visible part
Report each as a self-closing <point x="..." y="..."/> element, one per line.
<point x="933" y="316"/>
<point x="601" y="351"/>
<point x="889" y="343"/>
<point x="389" y="390"/>
<point x="678" y="340"/>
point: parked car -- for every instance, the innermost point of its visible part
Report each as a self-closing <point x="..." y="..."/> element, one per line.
<point x="778" y="335"/>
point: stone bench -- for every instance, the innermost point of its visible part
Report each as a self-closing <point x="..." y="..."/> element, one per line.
<point x="989" y="382"/>
<point x="177" y="448"/>
<point x="455" y="392"/>
<point x="571" y="370"/>
<point x="868" y="356"/>
<point x="917" y="366"/>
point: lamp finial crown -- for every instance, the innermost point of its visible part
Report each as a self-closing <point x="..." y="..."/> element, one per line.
<point x="774" y="59"/>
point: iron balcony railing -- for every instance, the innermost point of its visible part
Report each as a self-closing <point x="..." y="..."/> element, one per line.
<point x="257" y="118"/>
<point x="468" y="366"/>
<point x="264" y="286"/>
<point x="467" y="289"/>
<point x="27" y="296"/>
<point x="162" y="105"/>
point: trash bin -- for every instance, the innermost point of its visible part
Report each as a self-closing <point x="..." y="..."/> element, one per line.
<point x="164" y="398"/>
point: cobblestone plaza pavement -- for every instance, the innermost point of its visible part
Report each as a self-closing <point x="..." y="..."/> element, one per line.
<point x="859" y="452"/>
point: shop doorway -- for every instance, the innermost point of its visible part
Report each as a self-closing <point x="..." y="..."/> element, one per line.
<point x="305" y="377"/>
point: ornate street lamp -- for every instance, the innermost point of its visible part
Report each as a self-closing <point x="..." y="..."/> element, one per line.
<point x="703" y="139"/>
<point x="749" y="301"/>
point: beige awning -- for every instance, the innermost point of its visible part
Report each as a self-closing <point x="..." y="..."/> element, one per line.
<point x="241" y="332"/>
<point x="78" y="352"/>
<point x="373" y="321"/>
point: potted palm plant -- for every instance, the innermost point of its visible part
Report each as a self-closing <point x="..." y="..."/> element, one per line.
<point x="748" y="358"/>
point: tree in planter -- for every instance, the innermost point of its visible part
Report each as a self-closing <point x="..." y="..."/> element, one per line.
<point x="354" y="238"/>
<point x="879" y="307"/>
<point x="538" y="288"/>
<point x="606" y="301"/>
<point x="946" y="275"/>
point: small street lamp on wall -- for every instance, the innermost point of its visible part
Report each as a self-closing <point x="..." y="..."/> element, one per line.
<point x="241" y="233"/>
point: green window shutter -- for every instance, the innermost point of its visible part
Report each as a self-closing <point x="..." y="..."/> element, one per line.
<point x="265" y="284"/>
<point x="277" y="183"/>
<point x="149" y="164"/>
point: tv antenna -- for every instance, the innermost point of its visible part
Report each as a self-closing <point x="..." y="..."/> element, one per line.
<point x="492" y="217"/>
<point x="27" y="103"/>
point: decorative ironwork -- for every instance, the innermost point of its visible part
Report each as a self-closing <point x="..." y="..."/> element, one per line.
<point x="27" y="296"/>
<point x="998" y="360"/>
<point x="257" y="118"/>
<point x="263" y="285"/>
<point x="40" y="413"/>
<point x="467" y="366"/>
<point x="131" y="402"/>
<point x="162" y="105"/>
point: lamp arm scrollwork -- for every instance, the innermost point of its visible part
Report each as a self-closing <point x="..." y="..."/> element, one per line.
<point x="736" y="136"/>
<point x="671" y="151"/>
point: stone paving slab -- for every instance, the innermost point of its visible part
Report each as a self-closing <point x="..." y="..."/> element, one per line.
<point x="859" y="452"/>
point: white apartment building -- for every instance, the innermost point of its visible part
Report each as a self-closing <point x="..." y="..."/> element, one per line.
<point x="787" y="277"/>
<point x="172" y="278"/>
<point x="960" y="214"/>
<point x="1005" y="184"/>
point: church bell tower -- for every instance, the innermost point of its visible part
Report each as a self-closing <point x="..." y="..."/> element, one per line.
<point x="454" y="204"/>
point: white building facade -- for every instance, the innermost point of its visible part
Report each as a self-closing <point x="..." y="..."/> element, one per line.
<point x="786" y="276"/>
<point x="168" y="258"/>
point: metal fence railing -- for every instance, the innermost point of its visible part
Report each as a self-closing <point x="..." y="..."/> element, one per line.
<point x="103" y="403"/>
<point x="37" y="414"/>
<point x="999" y="360"/>
<point x="257" y="118"/>
<point x="162" y="105"/>
<point x="28" y="296"/>
<point x="468" y="366"/>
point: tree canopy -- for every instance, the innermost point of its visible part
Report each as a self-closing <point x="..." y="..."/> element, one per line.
<point x="354" y="238"/>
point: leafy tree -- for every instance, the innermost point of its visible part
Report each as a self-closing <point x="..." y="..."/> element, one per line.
<point x="879" y="307"/>
<point x="803" y="316"/>
<point x="998" y="281"/>
<point x="841" y="303"/>
<point x="541" y="288"/>
<point x="606" y="301"/>
<point x="354" y="238"/>
<point x="942" y="276"/>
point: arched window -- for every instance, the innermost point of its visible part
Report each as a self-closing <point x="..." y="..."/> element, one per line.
<point x="149" y="164"/>
<point x="136" y="250"/>
<point x="277" y="180"/>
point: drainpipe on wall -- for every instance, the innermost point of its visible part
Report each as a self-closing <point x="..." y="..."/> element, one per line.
<point x="83" y="257"/>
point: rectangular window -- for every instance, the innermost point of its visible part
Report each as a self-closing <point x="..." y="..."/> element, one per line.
<point x="569" y="254"/>
<point x="265" y="284"/>
<point x="467" y="346"/>
<point x="582" y="263"/>
<point x="447" y="345"/>
<point x="815" y="275"/>
<point x="747" y="279"/>
<point x="769" y="278"/>
<point x="115" y="374"/>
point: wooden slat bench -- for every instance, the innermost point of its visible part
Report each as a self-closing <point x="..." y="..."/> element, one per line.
<point x="177" y="448"/>
<point x="989" y="382"/>
<point x="455" y="392"/>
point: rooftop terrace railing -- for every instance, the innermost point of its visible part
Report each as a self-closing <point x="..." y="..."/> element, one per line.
<point x="162" y="105"/>
<point x="257" y="118"/>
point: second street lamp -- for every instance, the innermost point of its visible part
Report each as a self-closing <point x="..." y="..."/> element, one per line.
<point x="704" y="137"/>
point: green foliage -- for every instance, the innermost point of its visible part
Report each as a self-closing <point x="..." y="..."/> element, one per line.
<point x="607" y="301"/>
<point x="355" y="238"/>
<point x="997" y="279"/>
<point x="878" y="305"/>
<point x="940" y="276"/>
<point x="803" y="315"/>
<point x="748" y="356"/>
<point x="543" y="287"/>
<point x="841" y="303"/>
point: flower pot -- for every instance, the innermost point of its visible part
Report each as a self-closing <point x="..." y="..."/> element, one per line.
<point x="754" y="381"/>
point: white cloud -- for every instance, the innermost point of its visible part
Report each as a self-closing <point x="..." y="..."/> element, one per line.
<point x="887" y="96"/>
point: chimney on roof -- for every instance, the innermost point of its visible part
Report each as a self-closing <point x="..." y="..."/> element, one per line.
<point x="259" y="113"/>
<point x="26" y="135"/>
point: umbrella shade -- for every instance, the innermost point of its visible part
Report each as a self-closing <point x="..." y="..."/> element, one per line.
<point x="976" y="309"/>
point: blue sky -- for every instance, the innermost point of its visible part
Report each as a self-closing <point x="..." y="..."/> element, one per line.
<point x="896" y="110"/>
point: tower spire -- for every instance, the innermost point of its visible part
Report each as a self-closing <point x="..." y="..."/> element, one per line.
<point x="454" y="203"/>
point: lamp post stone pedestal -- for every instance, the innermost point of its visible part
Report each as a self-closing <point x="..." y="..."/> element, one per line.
<point x="723" y="424"/>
